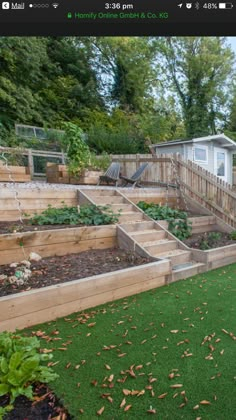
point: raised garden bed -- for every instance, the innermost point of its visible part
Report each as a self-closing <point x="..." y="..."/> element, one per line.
<point x="54" y="270"/>
<point x="57" y="173"/>
<point x="17" y="173"/>
<point x="209" y="240"/>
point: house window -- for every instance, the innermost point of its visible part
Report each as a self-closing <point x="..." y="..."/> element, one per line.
<point x="200" y="154"/>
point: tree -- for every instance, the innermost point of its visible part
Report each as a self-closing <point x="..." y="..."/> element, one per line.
<point x="200" y="70"/>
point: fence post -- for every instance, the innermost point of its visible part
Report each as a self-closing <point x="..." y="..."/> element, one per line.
<point x="31" y="162"/>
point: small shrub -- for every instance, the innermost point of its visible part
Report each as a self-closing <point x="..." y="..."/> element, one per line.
<point x="232" y="235"/>
<point x="181" y="228"/>
<point x="87" y="215"/>
<point x="214" y="236"/>
<point x="204" y="245"/>
<point x="210" y="240"/>
<point x="20" y="366"/>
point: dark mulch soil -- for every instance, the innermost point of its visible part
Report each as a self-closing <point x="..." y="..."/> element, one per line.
<point x="197" y="239"/>
<point x="54" y="270"/>
<point x="44" y="407"/>
<point x="17" y="227"/>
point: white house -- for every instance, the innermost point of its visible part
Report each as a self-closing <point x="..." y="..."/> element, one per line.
<point x="214" y="153"/>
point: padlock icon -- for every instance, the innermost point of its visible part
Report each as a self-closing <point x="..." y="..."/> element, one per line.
<point x="69" y="15"/>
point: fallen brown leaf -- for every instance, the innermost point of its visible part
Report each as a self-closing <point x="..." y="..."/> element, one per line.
<point x="152" y="411"/>
<point x="142" y="392"/>
<point x="128" y="407"/>
<point x="196" y="407"/>
<point x="176" y="386"/>
<point x="205" y="402"/>
<point x="163" y="395"/>
<point x="110" y="379"/>
<point x="122" y="354"/>
<point x="107" y="367"/>
<point x="99" y="412"/>
<point x="123" y="402"/>
<point x="174" y="331"/>
<point x="126" y="391"/>
<point x="139" y="367"/>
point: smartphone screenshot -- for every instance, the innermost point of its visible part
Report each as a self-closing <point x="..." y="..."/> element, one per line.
<point x="117" y="209"/>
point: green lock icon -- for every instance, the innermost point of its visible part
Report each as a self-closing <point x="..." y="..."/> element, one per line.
<point x="69" y="15"/>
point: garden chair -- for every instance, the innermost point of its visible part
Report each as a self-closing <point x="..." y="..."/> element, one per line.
<point x="135" y="178"/>
<point x="111" y="175"/>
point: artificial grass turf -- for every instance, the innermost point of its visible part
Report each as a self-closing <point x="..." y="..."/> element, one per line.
<point x="157" y="330"/>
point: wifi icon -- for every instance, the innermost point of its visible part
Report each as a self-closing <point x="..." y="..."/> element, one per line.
<point x="55" y="5"/>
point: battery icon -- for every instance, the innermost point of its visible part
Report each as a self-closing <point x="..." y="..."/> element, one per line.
<point x="225" y="5"/>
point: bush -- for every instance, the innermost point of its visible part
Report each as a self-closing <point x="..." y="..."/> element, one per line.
<point x="20" y="366"/>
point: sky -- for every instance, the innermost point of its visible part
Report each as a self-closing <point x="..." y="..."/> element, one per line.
<point x="232" y="41"/>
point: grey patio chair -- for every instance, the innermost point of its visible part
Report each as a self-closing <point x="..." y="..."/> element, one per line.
<point x="111" y="175"/>
<point x="135" y="178"/>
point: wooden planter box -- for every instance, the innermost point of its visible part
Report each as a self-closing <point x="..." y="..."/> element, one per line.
<point x="14" y="173"/>
<point x="59" y="174"/>
<point x="41" y="305"/>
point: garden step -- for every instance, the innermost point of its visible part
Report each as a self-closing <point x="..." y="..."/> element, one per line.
<point x="124" y="207"/>
<point x="108" y="199"/>
<point x="156" y="247"/>
<point x="176" y="256"/>
<point x="138" y="226"/>
<point x="148" y="235"/>
<point x="130" y="216"/>
<point x="100" y="192"/>
<point x="183" y="271"/>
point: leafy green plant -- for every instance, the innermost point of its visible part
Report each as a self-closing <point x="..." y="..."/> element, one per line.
<point x="232" y="235"/>
<point x="158" y="212"/>
<point x="77" y="150"/>
<point x="87" y="215"/>
<point x="178" y="219"/>
<point x="210" y="240"/>
<point x="181" y="228"/>
<point x="20" y="366"/>
<point x="101" y="162"/>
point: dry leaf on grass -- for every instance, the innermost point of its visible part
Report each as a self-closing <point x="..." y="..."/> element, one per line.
<point x="163" y="395"/>
<point x="123" y="402"/>
<point x="128" y="407"/>
<point x="99" y="412"/>
<point x="122" y="354"/>
<point x="174" y="331"/>
<point x="107" y="367"/>
<point x="126" y="391"/>
<point x="196" y="407"/>
<point x="152" y="411"/>
<point x="176" y="386"/>
<point x="205" y="402"/>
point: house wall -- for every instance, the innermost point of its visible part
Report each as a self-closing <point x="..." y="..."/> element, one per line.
<point x="186" y="150"/>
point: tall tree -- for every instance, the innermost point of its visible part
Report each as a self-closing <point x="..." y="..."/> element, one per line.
<point x="200" y="70"/>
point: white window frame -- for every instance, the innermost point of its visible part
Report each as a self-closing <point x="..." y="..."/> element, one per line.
<point x="199" y="160"/>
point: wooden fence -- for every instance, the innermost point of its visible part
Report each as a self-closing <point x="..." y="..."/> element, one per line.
<point x="195" y="182"/>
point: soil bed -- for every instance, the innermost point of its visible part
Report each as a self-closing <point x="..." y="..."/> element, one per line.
<point x="203" y="241"/>
<point x="45" y="406"/>
<point x="53" y="270"/>
<point x="17" y="227"/>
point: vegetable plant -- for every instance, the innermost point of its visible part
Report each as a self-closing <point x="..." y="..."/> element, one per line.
<point x="21" y="366"/>
<point x="179" y="224"/>
<point x="86" y="215"/>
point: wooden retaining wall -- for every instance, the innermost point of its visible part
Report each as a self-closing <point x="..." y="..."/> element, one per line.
<point x="42" y="305"/>
<point x="32" y="201"/>
<point x="160" y="196"/>
<point x="17" y="246"/>
<point x="16" y="173"/>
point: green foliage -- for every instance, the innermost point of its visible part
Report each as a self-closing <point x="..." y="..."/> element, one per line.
<point x="158" y="212"/>
<point x="97" y="215"/>
<point x="87" y="215"/>
<point x="200" y="76"/>
<point x="181" y="228"/>
<point x="77" y="150"/>
<point x="233" y="235"/>
<point x="179" y="224"/>
<point x="101" y="163"/>
<point x="210" y="240"/>
<point x="20" y="365"/>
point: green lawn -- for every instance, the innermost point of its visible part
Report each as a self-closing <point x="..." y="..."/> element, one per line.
<point x="146" y="338"/>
